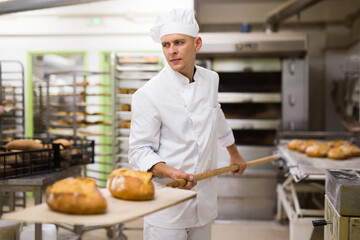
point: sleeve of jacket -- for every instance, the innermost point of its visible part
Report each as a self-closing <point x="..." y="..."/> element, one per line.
<point x="225" y="136"/>
<point x="145" y="133"/>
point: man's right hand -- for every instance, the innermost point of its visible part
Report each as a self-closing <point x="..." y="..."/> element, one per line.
<point x="163" y="170"/>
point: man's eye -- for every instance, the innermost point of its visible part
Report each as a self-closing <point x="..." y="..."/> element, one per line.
<point x="178" y="42"/>
<point x="165" y="44"/>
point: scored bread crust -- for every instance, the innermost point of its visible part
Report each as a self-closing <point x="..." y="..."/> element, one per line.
<point x="317" y="150"/>
<point x="76" y="196"/>
<point x="131" y="185"/>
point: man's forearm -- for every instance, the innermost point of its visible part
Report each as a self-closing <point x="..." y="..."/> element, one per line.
<point x="232" y="149"/>
<point x="161" y="169"/>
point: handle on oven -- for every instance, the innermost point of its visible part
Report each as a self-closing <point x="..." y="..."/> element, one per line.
<point x="322" y="222"/>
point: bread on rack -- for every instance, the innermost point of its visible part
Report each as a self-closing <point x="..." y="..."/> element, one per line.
<point x="151" y="59"/>
<point x="126" y="124"/>
<point x="24" y="144"/>
<point x="317" y="150"/>
<point x="294" y="144"/>
<point x="336" y="149"/>
<point x="125" y="107"/>
<point x="337" y="153"/>
<point x="83" y="83"/>
<point x="76" y="196"/>
<point x="131" y="185"/>
<point x="354" y="150"/>
<point x="302" y="147"/>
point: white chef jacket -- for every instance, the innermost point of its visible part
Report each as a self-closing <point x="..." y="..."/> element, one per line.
<point x="181" y="124"/>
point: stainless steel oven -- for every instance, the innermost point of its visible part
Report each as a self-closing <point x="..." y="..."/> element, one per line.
<point x="263" y="89"/>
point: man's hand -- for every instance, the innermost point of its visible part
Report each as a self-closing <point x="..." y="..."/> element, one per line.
<point x="235" y="158"/>
<point x="163" y="170"/>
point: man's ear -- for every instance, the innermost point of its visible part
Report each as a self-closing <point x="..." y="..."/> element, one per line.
<point x="198" y="43"/>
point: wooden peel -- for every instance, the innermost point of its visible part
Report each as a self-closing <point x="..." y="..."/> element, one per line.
<point x="219" y="171"/>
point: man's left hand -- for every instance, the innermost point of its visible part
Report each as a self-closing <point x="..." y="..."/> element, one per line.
<point x="235" y="158"/>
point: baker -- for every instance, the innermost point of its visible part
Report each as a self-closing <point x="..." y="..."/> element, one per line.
<point x="177" y="125"/>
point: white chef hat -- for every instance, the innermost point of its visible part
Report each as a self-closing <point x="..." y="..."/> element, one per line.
<point x="177" y="21"/>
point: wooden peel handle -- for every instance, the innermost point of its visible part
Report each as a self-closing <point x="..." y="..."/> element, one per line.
<point x="219" y="171"/>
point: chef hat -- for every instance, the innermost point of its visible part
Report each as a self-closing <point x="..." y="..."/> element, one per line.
<point x="177" y="21"/>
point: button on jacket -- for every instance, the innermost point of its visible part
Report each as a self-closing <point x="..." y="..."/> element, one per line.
<point x="181" y="124"/>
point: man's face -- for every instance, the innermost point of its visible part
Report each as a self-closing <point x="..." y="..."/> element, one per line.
<point x="180" y="52"/>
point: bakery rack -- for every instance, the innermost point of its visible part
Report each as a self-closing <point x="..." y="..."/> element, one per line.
<point x="129" y="72"/>
<point x="12" y="122"/>
<point x="78" y="106"/>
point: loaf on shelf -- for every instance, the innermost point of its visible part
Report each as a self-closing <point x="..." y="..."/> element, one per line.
<point x="126" y="124"/>
<point x="127" y="90"/>
<point x="337" y="149"/>
<point x="125" y="107"/>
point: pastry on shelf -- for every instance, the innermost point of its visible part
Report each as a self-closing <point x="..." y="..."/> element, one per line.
<point x="83" y="83"/>
<point x="125" y="107"/>
<point x="123" y="90"/>
<point x="151" y="59"/>
<point x="125" y="124"/>
<point x="317" y="150"/>
<point x="294" y="144"/>
<point x="302" y="147"/>
<point x="132" y="90"/>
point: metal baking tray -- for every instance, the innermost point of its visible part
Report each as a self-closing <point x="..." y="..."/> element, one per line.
<point x="302" y="166"/>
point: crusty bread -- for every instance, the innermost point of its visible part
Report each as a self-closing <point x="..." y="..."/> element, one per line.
<point x="354" y="151"/>
<point x="76" y="196"/>
<point x="302" y="147"/>
<point x="131" y="185"/>
<point x="294" y="144"/>
<point x="317" y="150"/>
<point x="24" y="144"/>
<point x="337" y="153"/>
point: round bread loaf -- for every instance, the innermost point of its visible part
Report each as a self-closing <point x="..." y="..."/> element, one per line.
<point x="294" y="144"/>
<point x="302" y="147"/>
<point x="354" y="150"/>
<point x="337" y="153"/>
<point x="317" y="150"/>
<point x="131" y="185"/>
<point x="24" y="145"/>
<point x="76" y="196"/>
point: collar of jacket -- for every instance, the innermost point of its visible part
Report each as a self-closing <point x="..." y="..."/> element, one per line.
<point x="181" y="79"/>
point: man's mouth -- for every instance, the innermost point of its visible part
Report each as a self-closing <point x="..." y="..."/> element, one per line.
<point x="175" y="60"/>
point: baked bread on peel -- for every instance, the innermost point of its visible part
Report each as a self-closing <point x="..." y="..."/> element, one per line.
<point x="76" y="196"/>
<point x="128" y="184"/>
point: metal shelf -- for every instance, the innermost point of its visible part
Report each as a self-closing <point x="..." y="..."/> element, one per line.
<point x="12" y="78"/>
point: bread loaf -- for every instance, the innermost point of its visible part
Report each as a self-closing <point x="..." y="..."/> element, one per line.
<point x="337" y="153"/>
<point x="302" y="147"/>
<point x="317" y="150"/>
<point x="76" y="196"/>
<point x="24" y="144"/>
<point x="131" y="185"/>
<point x="294" y="144"/>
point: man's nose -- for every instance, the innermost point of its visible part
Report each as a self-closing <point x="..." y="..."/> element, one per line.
<point x="173" y="49"/>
